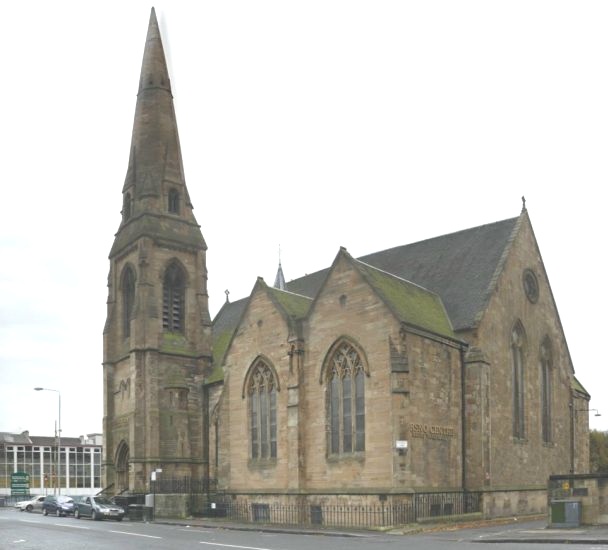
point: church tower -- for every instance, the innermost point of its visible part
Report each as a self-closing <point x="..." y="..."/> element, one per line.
<point x="157" y="337"/>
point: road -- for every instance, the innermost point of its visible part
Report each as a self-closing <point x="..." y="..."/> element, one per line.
<point x="23" y="531"/>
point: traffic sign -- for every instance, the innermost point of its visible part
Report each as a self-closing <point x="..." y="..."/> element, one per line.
<point x="20" y="483"/>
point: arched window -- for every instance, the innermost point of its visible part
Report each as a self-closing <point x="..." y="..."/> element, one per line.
<point x="262" y="397"/>
<point x="546" y="382"/>
<point x="517" y="350"/>
<point x="126" y="207"/>
<point x="174" y="201"/>
<point x="128" y="299"/>
<point x="345" y="379"/>
<point x="173" y="298"/>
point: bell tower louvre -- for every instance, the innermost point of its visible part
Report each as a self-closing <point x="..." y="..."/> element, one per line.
<point x="157" y="336"/>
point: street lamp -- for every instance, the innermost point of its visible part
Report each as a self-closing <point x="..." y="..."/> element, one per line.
<point x="597" y="413"/>
<point x="58" y="439"/>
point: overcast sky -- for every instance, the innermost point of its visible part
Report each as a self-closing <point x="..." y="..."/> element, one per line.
<point x="307" y="125"/>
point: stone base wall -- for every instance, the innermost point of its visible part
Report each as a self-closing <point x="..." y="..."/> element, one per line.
<point x="172" y="506"/>
<point x="506" y="503"/>
<point x="494" y="504"/>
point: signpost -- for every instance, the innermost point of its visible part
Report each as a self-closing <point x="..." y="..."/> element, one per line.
<point x="20" y="484"/>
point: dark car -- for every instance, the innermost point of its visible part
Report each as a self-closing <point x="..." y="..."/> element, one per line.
<point x="98" y="508"/>
<point x="59" y="505"/>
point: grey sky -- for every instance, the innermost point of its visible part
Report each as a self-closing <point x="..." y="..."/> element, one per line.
<point x="310" y="125"/>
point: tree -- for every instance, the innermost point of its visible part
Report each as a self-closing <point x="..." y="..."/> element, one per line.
<point x="598" y="451"/>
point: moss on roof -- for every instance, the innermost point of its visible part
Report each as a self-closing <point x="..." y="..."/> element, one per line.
<point x="216" y="374"/>
<point x="294" y="305"/>
<point x="221" y="342"/>
<point x="578" y="386"/>
<point x="411" y="303"/>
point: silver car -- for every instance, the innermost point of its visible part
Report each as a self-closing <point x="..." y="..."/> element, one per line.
<point x="34" y="503"/>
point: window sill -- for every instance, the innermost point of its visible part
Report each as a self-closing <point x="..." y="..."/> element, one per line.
<point x="261" y="463"/>
<point x="358" y="456"/>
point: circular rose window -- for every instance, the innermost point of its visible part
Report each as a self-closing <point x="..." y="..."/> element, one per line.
<point x="531" y="285"/>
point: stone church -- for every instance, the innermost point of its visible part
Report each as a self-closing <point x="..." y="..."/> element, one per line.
<point x="440" y="365"/>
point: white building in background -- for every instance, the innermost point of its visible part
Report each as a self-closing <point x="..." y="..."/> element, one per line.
<point x="80" y="463"/>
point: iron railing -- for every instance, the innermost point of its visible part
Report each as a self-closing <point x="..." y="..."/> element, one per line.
<point x="409" y="509"/>
<point x="183" y="485"/>
<point x="419" y="506"/>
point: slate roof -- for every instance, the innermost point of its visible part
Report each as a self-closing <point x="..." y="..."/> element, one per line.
<point x="409" y="302"/>
<point x="295" y="306"/>
<point x="459" y="267"/>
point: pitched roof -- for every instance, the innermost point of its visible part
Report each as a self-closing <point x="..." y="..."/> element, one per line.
<point x="409" y="302"/>
<point x="458" y="267"/>
<point x="295" y="306"/>
<point x="224" y="325"/>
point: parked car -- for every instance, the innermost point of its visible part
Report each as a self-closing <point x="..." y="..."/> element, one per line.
<point x="33" y="503"/>
<point x="97" y="507"/>
<point x="60" y="505"/>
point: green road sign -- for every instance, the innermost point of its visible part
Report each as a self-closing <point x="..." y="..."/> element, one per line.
<point x="20" y="483"/>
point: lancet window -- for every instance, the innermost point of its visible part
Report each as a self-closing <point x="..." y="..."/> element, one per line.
<point x="128" y="299"/>
<point x="546" y="383"/>
<point x="517" y="351"/>
<point x="173" y="298"/>
<point x="173" y="203"/>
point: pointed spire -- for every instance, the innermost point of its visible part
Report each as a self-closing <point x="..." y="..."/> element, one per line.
<point x="155" y="186"/>
<point x="279" y="280"/>
<point x="154" y="73"/>
<point x="155" y="156"/>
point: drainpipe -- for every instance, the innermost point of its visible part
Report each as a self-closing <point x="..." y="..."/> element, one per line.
<point x="572" y="413"/>
<point x="463" y="447"/>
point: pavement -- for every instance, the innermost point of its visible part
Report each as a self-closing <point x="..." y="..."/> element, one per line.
<point x="524" y="530"/>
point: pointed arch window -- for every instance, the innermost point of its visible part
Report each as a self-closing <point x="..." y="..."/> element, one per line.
<point x="517" y="351"/>
<point x="345" y="379"/>
<point x="173" y="298"/>
<point x="262" y="389"/>
<point x="174" y="201"/>
<point x="128" y="299"/>
<point x="546" y="383"/>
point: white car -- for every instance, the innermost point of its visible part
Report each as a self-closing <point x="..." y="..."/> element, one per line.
<point x="34" y="503"/>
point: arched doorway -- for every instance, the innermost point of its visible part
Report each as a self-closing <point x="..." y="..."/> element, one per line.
<point x="122" y="467"/>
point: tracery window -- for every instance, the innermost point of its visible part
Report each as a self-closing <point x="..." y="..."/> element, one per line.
<point x="128" y="299"/>
<point x="173" y="298"/>
<point x="517" y="350"/>
<point x="262" y="396"/>
<point x="345" y="378"/>
<point x="173" y="201"/>
<point x="546" y="383"/>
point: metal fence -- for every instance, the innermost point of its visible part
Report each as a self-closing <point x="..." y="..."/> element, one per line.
<point x="419" y="506"/>
<point x="11" y="500"/>
<point x="408" y="509"/>
<point x="184" y="485"/>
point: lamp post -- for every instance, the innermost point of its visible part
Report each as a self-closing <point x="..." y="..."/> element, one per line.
<point x="58" y="439"/>
<point x="597" y="413"/>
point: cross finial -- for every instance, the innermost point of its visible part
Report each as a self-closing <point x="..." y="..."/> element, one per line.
<point x="227" y="293"/>
<point x="523" y="203"/>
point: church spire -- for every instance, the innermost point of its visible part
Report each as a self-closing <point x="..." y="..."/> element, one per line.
<point x="155" y="184"/>
<point x="155" y="159"/>
<point x="279" y="280"/>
